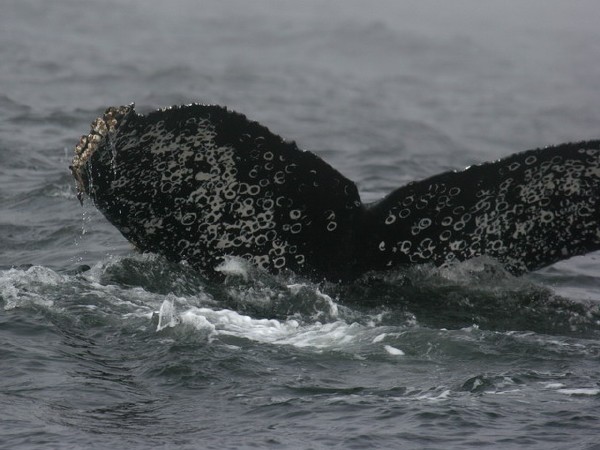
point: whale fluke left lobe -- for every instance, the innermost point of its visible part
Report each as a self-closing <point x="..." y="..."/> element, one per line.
<point x="200" y="182"/>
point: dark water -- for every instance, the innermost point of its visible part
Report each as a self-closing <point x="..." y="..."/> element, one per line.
<point x="140" y="353"/>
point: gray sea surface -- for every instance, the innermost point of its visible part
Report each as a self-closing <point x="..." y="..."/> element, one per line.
<point x="138" y="353"/>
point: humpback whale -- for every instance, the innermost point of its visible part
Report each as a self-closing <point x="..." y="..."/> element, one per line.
<point x="198" y="183"/>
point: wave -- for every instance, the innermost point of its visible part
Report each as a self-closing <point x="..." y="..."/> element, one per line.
<point x="396" y="314"/>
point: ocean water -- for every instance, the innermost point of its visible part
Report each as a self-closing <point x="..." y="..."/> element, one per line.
<point x="105" y="348"/>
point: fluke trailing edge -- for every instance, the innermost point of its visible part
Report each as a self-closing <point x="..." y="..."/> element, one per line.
<point x="198" y="183"/>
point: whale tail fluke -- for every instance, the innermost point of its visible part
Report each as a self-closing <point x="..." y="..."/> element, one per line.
<point x="528" y="210"/>
<point x="199" y="183"/>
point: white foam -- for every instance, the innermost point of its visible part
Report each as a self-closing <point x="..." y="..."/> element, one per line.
<point x="553" y="385"/>
<point x="198" y="322"/>
<point x="444" y="395"/>
<point x="580" y="391"/>
<point x="18" y="287"/>
<point x="233" y="267"/>
<point x="393" y="350"/>
<point x="224" y="322"/>
<point x="379" y="338"/>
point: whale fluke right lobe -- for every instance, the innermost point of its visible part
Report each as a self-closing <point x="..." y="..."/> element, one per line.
<point x="528" y="210"/>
